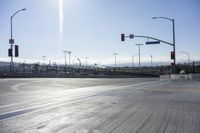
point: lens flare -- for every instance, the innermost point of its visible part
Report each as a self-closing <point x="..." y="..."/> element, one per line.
<point x="61" y="20"/>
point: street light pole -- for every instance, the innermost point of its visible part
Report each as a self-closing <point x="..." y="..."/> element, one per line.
<point x="174" y="45"/>
<point x="65" y="60"/>
<point x="151" y="61"/>
<point x="65" y="57"/>
<point x="115" y="54"/>
<point x="44" y="60"/>
<point x="188" y="54"/>
<point x="133" y="59"/>
<point x="11" y="41"/>
<point x="86" y="61"/>
<point x="139" y="52"/>
<point x="69" y="53"/>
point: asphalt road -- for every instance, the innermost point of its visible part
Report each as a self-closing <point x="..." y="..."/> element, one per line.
<point x="99" y="106"/>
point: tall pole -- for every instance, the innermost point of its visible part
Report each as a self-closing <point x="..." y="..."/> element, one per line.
<point x="139" y="52"/>
<point x="65" y="57"/>
<point x="174" y="47"/>
<point x="115" y="54"/>
<point x="139" y="56"/>
<point x="65" y="60"/>
<point x="133" y="59"/>
<point x="174" y="43"/>
<point x="188" y="55"/>
<point x="44" y="59"/>
<point x="151" y="61"/>
<point x="86" y="61"/>
<point x="11" y="38"/>
<point x="69" y="54"/>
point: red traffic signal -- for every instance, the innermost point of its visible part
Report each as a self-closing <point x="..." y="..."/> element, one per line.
<point x="172" y="55"/>
<point x="122" y="37"/>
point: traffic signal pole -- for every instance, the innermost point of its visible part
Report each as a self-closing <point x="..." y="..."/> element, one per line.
<point x="174" y="46"/>
<point x="11" y="45"/>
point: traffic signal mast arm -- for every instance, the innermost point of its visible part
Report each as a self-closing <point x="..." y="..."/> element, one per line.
<point x="154" y="39"/>
<point x="131" y="36"/>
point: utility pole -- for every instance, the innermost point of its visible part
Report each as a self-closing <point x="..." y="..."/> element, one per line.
<point x="139" y="51"/>
<point x="65" y="57"/>
<point x="188" y="54"/>
<point x="44" y="60"/>
<point x="151" y="61"/>
<point x="115" y="54"/>
<point x="69" y="54"/>
<point x="65" y="60"/>
<point x="86" y="58"/>
<point x="133" y="60"/>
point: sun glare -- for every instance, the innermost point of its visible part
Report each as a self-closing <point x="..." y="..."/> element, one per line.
<point x="61" y="20"/>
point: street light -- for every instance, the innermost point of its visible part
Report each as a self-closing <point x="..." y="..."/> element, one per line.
<point x="139" y="51"/>
<point x="173" y="27"/>
<point x="115" y="54"/>
<point x="151" y="60"/>
<point x="188" y="54"/>
<point x="65" y="57"/>
<point x="86" y="58"/>
<point x="44" y="59"/>
<point x="11" y="40"/>
<point x="69" y="53"/>
<point x="133" y="59"/>
<point x="79" y="61"/>
<point x="65" y="60"/>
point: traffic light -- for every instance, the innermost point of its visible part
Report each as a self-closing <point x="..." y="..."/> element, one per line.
<point x="10" y="52"/>
<point x="122" y="37"/>
<point x="172" y="55"/>
<point x="16" y="51"/>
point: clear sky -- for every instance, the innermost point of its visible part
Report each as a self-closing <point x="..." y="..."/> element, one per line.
<point x="92" y="28"/>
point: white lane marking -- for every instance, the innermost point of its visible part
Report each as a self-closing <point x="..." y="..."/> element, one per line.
<point x="145" y="83"/>
<point x="12" y="104"/>
<point x="87" y="131"/>
<point x="16" y="87"/>
<point x="33" y="107"/>
<point x="61" y="85"/>
<point x="45" y="108"/>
